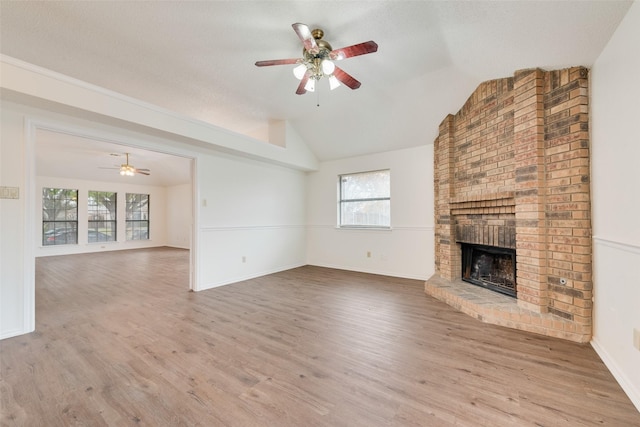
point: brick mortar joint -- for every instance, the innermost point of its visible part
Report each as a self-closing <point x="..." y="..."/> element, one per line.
<point x="486" y="197"/>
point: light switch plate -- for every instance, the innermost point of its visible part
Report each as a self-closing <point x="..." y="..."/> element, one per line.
<point x="9" y="192"/>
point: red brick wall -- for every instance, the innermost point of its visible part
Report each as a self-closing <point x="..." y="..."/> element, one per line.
<point x="483" y="147"/>
<point x="568" y="207"/>
<point x="514" y="161"/>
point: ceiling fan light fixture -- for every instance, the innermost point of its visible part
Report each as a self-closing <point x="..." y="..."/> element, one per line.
<point x="300" y="71"/>
<point x="333" y="82"/>
<point x="127" y="170"/>
<point x="311" y="85"/>
<point x="328" y="67"/>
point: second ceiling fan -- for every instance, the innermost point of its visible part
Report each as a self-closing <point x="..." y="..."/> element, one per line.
<point x="318" y="60"/>
<point x="129" y="170"/>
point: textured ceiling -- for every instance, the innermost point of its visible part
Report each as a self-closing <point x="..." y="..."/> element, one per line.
<point x="197" y="58"/>
<point x="62" y="155"/>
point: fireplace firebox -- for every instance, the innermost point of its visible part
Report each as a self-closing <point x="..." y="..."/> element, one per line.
<point x="491" y="267"/>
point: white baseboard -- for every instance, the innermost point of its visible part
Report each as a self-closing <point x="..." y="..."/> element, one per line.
<point x="237" y="279"/>
<point x="178" y="247"/>
<point x="629" y="388"/>
<point x="13" y="333"/>
<point x="374" y="271"/>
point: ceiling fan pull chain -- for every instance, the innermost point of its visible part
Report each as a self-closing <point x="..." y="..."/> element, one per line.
<point x="318" y="101"/>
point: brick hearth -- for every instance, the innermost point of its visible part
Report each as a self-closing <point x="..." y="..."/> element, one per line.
<point x="512" y="170"/>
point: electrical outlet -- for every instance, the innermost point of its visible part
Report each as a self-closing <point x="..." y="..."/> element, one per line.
<point x="368" y="254"/>
<point x="244" y="259"/>
<point x="636" y="338"/>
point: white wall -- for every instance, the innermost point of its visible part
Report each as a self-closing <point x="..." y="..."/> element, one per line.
<point x="178" y="208"/>
<point x="615" y="138"/>
<point x="252" y="218"/>
<point x="254" y="209"/>
<point x="407" y="250"/>
<point x="157" y="222"/>
<point x="13" y="316"/>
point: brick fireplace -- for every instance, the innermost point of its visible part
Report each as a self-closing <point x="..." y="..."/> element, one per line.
<point x="512" y="172"/>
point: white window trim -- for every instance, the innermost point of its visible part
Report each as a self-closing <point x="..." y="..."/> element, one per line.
<point x="340" y="201"/>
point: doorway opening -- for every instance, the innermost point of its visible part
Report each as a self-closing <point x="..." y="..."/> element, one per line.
<point x="58" y="156"/>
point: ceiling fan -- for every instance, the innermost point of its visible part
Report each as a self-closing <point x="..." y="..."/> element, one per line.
<point x="129" y="170"/>
<point x="318" y="60"/>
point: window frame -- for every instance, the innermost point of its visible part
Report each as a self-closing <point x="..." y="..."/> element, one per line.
<point x="342" y="201"/>
<point x="129" y="228"/>
<point x="73" y="222"/>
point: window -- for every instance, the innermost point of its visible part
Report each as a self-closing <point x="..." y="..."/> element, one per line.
<point x="137" y="216"/>
<point x="59" y="216"/>
<point x="365" y="199"/>
<point x="101" y="211"/>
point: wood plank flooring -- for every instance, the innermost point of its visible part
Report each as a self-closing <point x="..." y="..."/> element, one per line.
<point x="120" y="341"/>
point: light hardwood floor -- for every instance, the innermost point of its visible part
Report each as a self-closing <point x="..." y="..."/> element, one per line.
<point x="120" y="341"/>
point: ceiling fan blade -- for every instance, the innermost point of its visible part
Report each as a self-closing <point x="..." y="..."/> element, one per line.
<point x="346" y="79"/>
<point x="303" y="81"/>
<point x="354" y="50"/>
<point x="305" y="35"/>
<point x="277" y="62"/>
<point x="143" y="171"/>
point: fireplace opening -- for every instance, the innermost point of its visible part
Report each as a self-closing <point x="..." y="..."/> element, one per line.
<point x="490" y="267"/>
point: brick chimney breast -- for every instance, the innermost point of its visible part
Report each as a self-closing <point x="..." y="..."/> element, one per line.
<point x="512" y="170"/>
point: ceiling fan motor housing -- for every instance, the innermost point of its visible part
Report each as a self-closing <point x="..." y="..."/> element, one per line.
<point x="324" y="48"/>
<point x="315" y="59"/>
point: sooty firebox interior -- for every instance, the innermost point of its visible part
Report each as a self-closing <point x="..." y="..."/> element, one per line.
<point x="490" y="267"/>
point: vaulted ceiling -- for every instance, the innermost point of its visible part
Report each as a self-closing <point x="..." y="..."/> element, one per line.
<point x="197" y="58"/>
